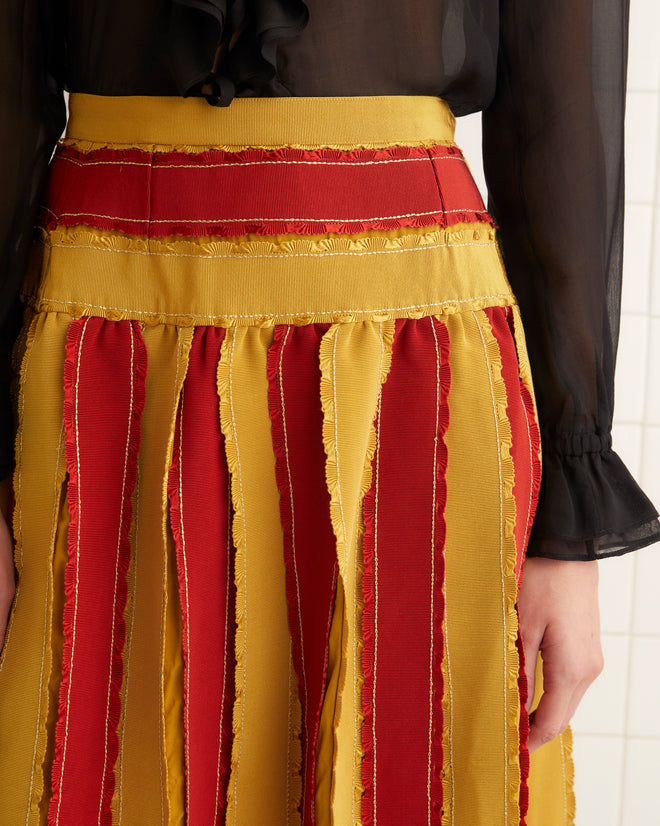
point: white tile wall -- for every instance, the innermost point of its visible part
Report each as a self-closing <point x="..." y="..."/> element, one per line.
<point x="617" y="728"/>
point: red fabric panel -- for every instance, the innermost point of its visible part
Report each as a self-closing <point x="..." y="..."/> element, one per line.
<point x="80" y="184"/>
<point x="522" y="448"/>
<point x="200" y="515"/>
<point x="457" y="187"/>
<point x="104" y="397"/>
<point x="402" y="584"/>
<point x="309" y="542"/>
<point x="275" y="192"/>
<point x="525" y="454"/>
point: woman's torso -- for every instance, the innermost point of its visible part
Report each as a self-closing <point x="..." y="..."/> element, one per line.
<point x="421" y="47"/>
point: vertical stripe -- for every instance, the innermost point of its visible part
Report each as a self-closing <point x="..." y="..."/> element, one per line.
<point x="32" y="646"/>
<point x="142" y="771"/>
<point x="527" y="393"/>
<point x="354" y="358"/>
<point x="522" y="449"/>
<point x="198" y="485"/>
<point x="482" y="705"/>
<point x="525" y="455"/>
<point x="402" y="584"/>
<point x="104" y="392"/>
<point x="309" y="542"/>
<point x="551" y="776"/>
<point x="266" y="746"/>
<point x="171" y="645"/>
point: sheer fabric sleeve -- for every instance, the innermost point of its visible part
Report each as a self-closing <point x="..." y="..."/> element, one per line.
<point x="32" y="116"/>
<point x="553" y="157"/>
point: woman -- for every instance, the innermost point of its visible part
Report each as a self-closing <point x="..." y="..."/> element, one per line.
<point x="278" y="329"/>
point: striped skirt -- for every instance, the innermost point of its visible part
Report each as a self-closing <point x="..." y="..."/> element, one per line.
<point x="277" y="463"/>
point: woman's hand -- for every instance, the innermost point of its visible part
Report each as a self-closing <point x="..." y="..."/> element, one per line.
<point x="558" y="606"/>
<point x="7" y="576"/>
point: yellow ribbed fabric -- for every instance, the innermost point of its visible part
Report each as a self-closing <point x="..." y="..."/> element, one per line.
<point x="481" y="741"/>
<point x="141" y="791"/>
<point x="349" y="398"/>
<point x="228" y="283"/>
<point x="165" y="123"/>
<point x="29" y="698"/>
<point x="551" y="795"/>
<point x="265" y="754"/>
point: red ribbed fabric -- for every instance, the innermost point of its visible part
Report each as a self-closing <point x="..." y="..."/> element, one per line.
<point x="263" y="192"/>
<point x="104" y="397"/>
<point x="309" y="541"/>
<point x="198" y="487"/>
<point x="524" y="447"/>
<point x="402" y="584"/>
<point x="525" y="454"/>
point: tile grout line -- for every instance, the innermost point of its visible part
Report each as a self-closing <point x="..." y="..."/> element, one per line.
<point x="635" y="563"/>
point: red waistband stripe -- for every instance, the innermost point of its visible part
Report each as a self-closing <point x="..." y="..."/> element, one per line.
<point x="261" y="192"/>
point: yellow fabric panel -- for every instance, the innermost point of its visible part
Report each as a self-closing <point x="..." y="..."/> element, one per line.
<point x="481" y="703"/>
<point x="172" y="645"/>
<point x="60" y="559"/>
<point x="141" y="790"/>
<point x="265" y="785"/>
<point x="262" y="281"/>
<point x="325" y="745"/>
<point x="264" y="122"/>
<point x="551" y="775"/>
<point x="354" y="359"/>
<point x="28" y="657"/>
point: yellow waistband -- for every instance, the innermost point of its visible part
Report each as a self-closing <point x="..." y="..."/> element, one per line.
<point x="345" y="122"/>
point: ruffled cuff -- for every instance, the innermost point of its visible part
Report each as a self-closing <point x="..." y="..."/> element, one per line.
<point x="589" y="504"/>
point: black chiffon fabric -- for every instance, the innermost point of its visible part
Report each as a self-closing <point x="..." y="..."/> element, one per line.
<point x="550" y="80"/>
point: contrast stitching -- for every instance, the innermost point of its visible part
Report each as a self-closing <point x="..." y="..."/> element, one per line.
<point x="118" y="565"/>
<point x="241" y="164"/>
<point x="501" y="482"/>
<point x="224" y="662"/>
<point x="376" y="489"/>
<point x="75" y="602"/>
<point x="129" y="647"/>
<point x="305" y="314"/>
<point x="187" y="602"/>
<point x="262" y="220"/>
<point x="245" y="568"/>
<point x="433" y="518"/>
<point x="293" y="534"/>
<point x="46" y="603"/>
<point x="250" y="256"/>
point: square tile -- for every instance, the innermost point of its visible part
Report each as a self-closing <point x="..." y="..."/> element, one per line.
<point x="468" y="137"/>
<point x="603" y="709"/>
<point x="643" y="52"/>
<point x="627" y="442"/>
<point x="646" y="600"/>
<point x="643" y="706"/>
<point x="641" y="145"/>
<point x="655" y="263"/>
<point x="631" y="368"/>
<point x="641" y="790"/>
<point x="652" y="412"/>
<point x="615" y="591"/>
<point x="597" y="758"/>
<point x="637" y="243"/>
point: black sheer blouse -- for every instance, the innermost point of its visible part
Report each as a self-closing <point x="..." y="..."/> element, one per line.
<point x="550" y="80"/>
